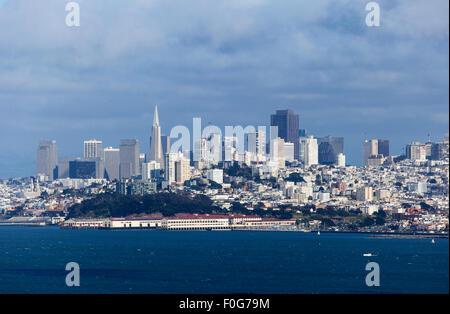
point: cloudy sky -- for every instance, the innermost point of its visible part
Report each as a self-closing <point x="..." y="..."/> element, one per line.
<point x="231" y="62"/>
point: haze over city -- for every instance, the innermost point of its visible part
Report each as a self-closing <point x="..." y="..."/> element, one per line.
<point x="228" y="62"/>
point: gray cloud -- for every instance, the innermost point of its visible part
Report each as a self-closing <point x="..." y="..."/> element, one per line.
<point x="230" y="62"/>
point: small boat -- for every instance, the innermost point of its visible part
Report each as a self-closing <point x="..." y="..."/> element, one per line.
<point x="368" y="254"/>
<point x="432" y="241"/>
<point x="318" y="232"/>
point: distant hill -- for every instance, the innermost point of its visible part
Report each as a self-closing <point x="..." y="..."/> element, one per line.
<point x="116" y="205"/>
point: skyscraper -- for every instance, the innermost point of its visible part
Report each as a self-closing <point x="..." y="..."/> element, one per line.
<point x="93" y="149"/>
<point x="112" y="162"/>
<point x="256" y="142"/>
<point x="341" y="160"/>
<point x="329" y="148"/>
<point x="142" y="160"/>
<point x="230" y="144"/>
<point x="287" y="122"/>
<point x="129" y="159"/>
<point x="182" y="170"/>
<point x="289" y="151"/>
<point x="277" y="151"/>
<point x="374" y="148"/>
<point x="383" y="147"/>
<point x="165" y="142"/>
<point x="47" y="159"/>
<point x="309" y="151"/>
<point x="369" y="148"/>
<point x="63" y="167"/>
<point x="169" y="167"/>
<point x="156" y="151"/>
<point x="91" y="168"/>
<point x="151" y="171"/>
<point x="416" y="151"/>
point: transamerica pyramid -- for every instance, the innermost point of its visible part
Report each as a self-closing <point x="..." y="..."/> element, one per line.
<point x="156" y="153"/>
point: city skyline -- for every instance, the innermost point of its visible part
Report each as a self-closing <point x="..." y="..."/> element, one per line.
<point x="224" y="65"/>
<point x="156" y="127"/>
<point x="284" y="131"/>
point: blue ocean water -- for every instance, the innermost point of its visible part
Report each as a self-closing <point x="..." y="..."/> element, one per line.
<point x="33" y="260"/>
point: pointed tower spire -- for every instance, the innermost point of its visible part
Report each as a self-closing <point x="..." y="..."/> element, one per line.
<point x="155" y="116"/>
<point x="155" y="141"/>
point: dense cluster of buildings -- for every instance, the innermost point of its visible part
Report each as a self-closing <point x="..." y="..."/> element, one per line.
<point x="287" y="170"/>
<point x="166" y="165"/>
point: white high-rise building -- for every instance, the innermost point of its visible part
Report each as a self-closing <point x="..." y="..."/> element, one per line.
<point x="169" y="167"/>
<point x="229" y="147"/>
<point x="341" y="160"/>
<point x="416" y="151"/>
<point x="150" y="170"/>
<point x="156" y="150"/>
<point x="309" y="151"/>
<point x="289" y="151"/>
<point x="277" y="151"/>
<point x="93" y="149"/>
<point x="256" y="142"/>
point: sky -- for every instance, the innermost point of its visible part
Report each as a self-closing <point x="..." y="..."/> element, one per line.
<point x="230" y="62"/>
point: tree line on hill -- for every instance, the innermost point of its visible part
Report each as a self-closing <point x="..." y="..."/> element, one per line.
<point x="116" y="205"/>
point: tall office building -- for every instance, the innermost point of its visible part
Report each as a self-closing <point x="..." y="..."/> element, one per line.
<point x="289" y="151"/>
<point x="341" y="160"/>
<point x="329" y="149"/>
<point x="182" y="170"/>
<point x="438" y="151"/>
<point x="165" y="142"/>
<point x="91" y="168"/>
<point x="142" y="160"/>
<point x="230" y="145"/>
<point x="209" y="149"/>
<point x="369" y="148"/>
<point x="47" y="159"/>
<point x="63" y="167"/>
<point x="374" y="147"/>
<point x="156" y="149"/>
<point x="129" y="159"/>
<point x="151" y="171"/>
<point x="416" y="151"/>
<point x="309" y="151"/>
<point x="112" y="163"/>
<point x="93" y="149"/>
<point x="199" y="155"/>
<point x="277" y="152"/>
<point x="288" y="123"/>
<point x="256" y="142"/>
<point x="383" y="147"/>
<point x="169" y="167"/>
